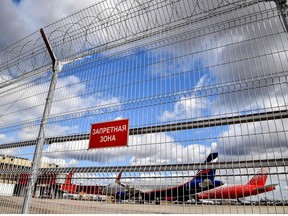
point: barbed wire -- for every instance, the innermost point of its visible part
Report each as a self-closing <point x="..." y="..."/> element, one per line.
<point x="104" y="26"/>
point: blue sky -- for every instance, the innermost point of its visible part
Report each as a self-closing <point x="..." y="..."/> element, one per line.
<point x="171" y="75"/>
<point x="90" y="86"/>
<point x="133" y="78"/>
<point x="174" y="75"/>
<point x="16" y="1"/>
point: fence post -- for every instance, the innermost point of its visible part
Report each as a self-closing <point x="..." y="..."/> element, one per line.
<point x="56" y="67"/>
<point x="283" y="10"/>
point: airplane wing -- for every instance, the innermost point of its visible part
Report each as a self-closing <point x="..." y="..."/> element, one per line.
<point x="131" y="190"/>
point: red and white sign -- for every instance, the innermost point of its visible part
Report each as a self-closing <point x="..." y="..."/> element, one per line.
<point x="109" y="134"/>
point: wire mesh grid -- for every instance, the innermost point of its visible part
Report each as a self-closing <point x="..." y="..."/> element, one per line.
<point x="197" y="80"/>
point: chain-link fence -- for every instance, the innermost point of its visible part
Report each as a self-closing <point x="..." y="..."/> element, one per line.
<point x="201" y="87"/>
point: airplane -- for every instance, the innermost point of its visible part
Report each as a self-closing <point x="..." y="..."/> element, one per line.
<point x="203" y="180"/>
<point x="69" y="188"/>
<point x="255" y="186"/>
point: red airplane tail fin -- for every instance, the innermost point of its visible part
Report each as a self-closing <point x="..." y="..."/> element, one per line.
<point x="68" y="178"/>
<point x="260" y="178"/>
<point x="117" y="180"/>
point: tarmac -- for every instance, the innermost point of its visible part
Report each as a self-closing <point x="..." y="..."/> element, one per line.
<point x="13" y="205"/>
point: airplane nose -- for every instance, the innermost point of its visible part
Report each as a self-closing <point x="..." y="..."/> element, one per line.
<point x="110" y="189"/>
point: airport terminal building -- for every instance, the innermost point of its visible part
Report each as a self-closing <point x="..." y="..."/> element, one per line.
<point x="15" y="184"/>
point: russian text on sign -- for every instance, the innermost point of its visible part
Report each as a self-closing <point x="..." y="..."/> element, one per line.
<point x="110" y="129"/>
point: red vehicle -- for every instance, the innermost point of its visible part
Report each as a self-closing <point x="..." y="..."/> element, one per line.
<point x="255" y="186"/>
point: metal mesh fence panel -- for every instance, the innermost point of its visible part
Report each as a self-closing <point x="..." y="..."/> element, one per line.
<point x="203" y="85"/>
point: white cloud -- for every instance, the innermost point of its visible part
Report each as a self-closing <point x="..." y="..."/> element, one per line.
<point x="5" y="139"/>
<point x="9" y="151"/>
<point x="30" y="133"/>
<point x="29" y="16"/>
<point x="146" y="149"/>
<point x="259" y="140"/>
<point x="59" y="161"/>
<point x="25" y="105"/>
<point x="188" y="107"/>
<point x="255" y="62"/>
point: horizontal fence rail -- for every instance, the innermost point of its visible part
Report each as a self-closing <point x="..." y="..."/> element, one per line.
<point x="158" y="168"/>
<point x="170" y="127"/>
